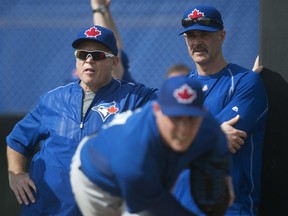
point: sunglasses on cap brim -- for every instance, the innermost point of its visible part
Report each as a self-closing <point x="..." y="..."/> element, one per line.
<point x="204" y="21"/>
<point x="97" y="55"/>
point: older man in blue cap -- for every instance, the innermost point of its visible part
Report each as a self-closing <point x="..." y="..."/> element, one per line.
<point x="62" y="118"/>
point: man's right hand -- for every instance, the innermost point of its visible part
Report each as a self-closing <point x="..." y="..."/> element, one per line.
<point x="257" y="67"/>
<point x="22" y="186"/>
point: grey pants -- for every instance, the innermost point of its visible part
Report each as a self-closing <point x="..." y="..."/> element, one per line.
<point x="92" y="200"/>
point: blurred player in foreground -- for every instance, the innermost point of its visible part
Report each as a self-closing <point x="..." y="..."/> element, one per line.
<point x="136" y="158"/>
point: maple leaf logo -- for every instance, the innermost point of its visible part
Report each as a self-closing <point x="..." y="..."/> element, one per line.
<point x="195" y="14"/>
<point x="185" y="94"/>
<point x="92" y="32"/>
<point x="112" y="109"/>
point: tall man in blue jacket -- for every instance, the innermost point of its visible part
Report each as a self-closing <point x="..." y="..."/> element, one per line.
<point x="137" y="157"/>
<point x="236" y="97"/>
<point x="62" y="118"/>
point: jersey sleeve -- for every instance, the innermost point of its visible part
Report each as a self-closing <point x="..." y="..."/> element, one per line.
<point x="26" y="133"/>
<point x="248" y="100"/>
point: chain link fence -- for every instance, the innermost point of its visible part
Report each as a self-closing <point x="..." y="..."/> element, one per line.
<point x="35" y="39"/>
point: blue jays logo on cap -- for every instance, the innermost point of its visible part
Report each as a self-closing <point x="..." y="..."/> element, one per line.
<point x="92" y="32"/>
<point x="106" y="109"/>
<point x="181" y="96"/>
<point x="98" y="34"/>
<point x="202" y="18"/>
<point x="196" y="14"/>
<point x="185" y="94"/>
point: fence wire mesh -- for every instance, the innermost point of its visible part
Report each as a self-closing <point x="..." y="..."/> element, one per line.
<point x="36" y="53"/>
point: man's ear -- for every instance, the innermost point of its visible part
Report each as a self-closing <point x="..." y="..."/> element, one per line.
<point x="156" y="107"/>
<point x="185" y="37"/>
<point x="222" y="36"/>
<point x="117" y="68"/>
<point x="115" y="62"/>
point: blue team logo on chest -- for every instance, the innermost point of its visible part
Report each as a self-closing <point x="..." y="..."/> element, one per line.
<point x="106" y="109"/>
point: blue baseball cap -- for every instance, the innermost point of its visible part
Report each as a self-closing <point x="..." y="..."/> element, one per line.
<point x="203" y="18"/>
<point x="181" y="96"/>
<point x="99" y="34"/>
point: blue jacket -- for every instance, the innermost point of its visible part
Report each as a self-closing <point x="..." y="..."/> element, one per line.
<point x="58" y="125"/>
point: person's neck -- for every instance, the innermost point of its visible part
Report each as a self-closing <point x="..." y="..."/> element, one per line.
<point x="92" y="88"/>
<point x="212" y="67"/>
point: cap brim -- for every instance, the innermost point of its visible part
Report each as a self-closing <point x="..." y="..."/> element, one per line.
<point x="187" y="111"/>
<point x="76" y="43"/>
<point x="200" y="28"/>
